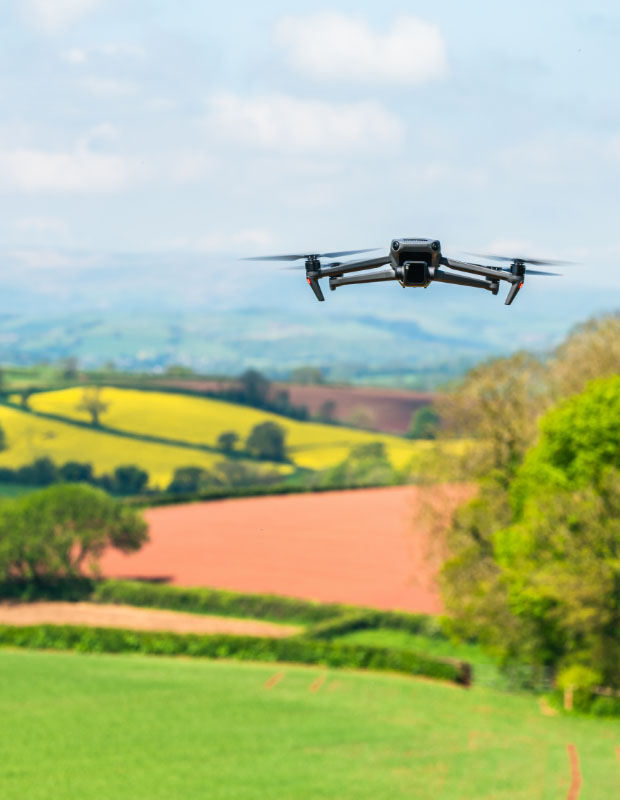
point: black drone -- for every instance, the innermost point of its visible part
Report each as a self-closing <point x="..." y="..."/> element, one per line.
<point x="415" y="263"/>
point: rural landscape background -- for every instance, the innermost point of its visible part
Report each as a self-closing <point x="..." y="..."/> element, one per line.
<point x="256" y="546"/>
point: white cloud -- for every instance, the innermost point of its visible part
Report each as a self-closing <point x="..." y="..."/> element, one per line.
<point x="279" y="122"/>
<point x="332" y="46"/>
<point x="51" y="259"/>
<point x="54" y="15"/>
<point x="75" y="55"/>
<point x="190" y="167"/>
<point x="245" y="241"/>
<point x="128" y="50"/>
<point x="30" y="170"/>
<point x="110" y="87"/>
<point x="41" y="225"/>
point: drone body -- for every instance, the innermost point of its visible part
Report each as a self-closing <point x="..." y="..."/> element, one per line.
<point x="413" y="263"/>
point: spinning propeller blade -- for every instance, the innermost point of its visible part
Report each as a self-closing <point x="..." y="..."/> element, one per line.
<point x="297" y="256"/>
<point x="541" y="262"/>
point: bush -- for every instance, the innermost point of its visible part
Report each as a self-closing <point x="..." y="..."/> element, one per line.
<point x="245" y="648"/>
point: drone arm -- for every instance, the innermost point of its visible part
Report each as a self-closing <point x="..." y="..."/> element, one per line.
<point x="461" y="280"/>
<point x="478" y="269"/>
<point x="353" y="266"/>
<point x="373" y="277"/>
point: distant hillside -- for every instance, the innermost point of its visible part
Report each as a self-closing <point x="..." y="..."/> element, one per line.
<point x="387" y="410"/>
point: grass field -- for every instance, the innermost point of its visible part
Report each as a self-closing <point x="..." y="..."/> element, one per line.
<point x="201" y="420"/>
<point x="30" y="437"/>
<point x="89" y="727"/>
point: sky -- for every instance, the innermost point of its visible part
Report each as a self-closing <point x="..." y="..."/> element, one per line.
<point x="233" y="129"/>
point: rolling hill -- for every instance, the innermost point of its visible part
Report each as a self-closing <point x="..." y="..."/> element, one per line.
<point x="199" y="421"/>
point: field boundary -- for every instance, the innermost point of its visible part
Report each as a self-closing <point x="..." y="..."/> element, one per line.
<point x="292" y="650"/>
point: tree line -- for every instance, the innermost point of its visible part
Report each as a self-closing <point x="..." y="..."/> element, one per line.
<point x="533" y="562"/>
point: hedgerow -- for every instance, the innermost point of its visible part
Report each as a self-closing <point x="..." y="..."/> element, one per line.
<point x="244" y="648"/>
<point x="327" y="619"/>
<point x="215" y="601"/>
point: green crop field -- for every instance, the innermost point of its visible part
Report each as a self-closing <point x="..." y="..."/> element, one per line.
<point x="201" y="420"/>
<point x="82" y="727"/>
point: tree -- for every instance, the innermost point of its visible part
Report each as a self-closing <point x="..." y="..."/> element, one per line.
<point x="59" y="531"/>
<point x="93" y="404"/>
<point x="424" y="423"/>
<point x="255" y="387"/>
<point x="69" y="368"/>
<point x="130" y="479"/>
<point x="266" y="441"/>
<point x="327" y="411"/>
<point x="24" y="397"/>
<point x="42" y="472"/>
<point x="189" y="480"/>
<point x="497" y="404"/>
<point x="227" y="440"/>
<point x="367" y="465"/>
<point x="536" y="571"/>
<point x="75" y="472"/>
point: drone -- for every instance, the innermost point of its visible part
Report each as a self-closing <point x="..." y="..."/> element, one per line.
<point x="414" y="263"/>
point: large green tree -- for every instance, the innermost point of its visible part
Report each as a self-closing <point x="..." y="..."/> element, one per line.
<point x="536" y="570"/>
<point x="62" y="530"/>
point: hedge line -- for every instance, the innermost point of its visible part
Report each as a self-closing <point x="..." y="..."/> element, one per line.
<point x="327" y="619"/>
<point x="422" y="624"/>
<point x="245" y="648"/>
<point x="214" y="601"/>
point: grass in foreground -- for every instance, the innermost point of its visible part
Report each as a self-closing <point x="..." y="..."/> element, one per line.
<point x="134" y="727"/>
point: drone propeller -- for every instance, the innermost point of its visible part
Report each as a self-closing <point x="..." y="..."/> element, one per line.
<point x="540" y="262"/>
<point x="540" y="272"/>
<point x="310" y="256"/>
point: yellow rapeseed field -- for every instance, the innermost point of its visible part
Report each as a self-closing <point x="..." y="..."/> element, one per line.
<point x="30" y="437"/>
<point x="201" y="420"/>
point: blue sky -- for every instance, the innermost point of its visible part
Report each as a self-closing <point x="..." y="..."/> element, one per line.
<point x="241" y="128"/>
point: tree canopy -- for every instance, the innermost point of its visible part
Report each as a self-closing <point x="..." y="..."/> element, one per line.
<point x="59" y="531"/>
<point x="536" y="570"/>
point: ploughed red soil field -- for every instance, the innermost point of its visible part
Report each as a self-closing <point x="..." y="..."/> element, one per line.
<point x="367" y="546"/>
<point x="387" y="410"/>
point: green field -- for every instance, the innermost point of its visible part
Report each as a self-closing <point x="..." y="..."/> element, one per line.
<point x="98" y="726"/>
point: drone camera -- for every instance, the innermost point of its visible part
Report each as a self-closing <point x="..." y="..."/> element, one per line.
<point x="414" y="273"/>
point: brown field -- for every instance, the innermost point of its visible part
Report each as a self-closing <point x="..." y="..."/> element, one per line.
<point x="367" y="546"/>
<point x="109" y="616"/>
<point x="389" y="410"/>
